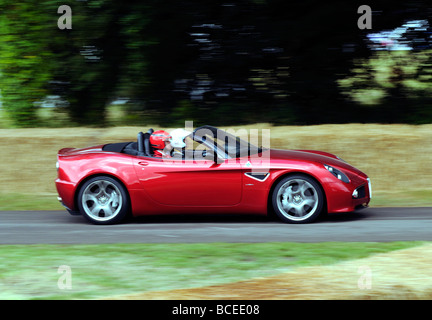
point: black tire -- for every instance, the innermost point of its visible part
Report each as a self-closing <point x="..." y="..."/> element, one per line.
<point x="298" y="199"/>
<point x="103" y="200"/>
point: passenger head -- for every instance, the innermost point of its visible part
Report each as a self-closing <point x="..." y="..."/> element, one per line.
<point x="178" y="137"/>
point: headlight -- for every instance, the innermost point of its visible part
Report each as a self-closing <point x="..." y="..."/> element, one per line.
<point x="337" y="173"/>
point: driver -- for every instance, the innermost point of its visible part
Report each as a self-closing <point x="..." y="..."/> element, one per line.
<point x="179" y="142"/>
<point x="160" y="141"/>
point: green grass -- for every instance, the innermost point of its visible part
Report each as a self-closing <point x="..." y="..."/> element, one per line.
<point x="408" y="198"/>
<point x="20" y="201"/>
<point x="31" y="272"/>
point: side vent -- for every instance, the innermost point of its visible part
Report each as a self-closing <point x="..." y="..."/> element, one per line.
<point x="260" y="176"/>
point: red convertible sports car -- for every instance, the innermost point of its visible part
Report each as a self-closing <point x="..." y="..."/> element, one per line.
<point x="217" y="173"/>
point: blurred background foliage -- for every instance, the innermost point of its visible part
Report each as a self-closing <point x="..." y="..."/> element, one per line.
<point x="219" y="62"/>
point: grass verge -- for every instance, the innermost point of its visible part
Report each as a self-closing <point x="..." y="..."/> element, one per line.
<point x="31" y="272"/>
<point x="22" y="201"/>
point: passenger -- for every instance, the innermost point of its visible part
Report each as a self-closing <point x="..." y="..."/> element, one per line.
<point x="179" y="142"/>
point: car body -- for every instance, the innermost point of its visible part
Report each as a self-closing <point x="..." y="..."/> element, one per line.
<point x="221" y="173"/>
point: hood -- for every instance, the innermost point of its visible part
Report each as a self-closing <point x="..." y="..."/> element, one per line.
<point x="313" y="156"/>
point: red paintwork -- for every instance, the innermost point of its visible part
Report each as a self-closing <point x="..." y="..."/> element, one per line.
<point x="157" y="186"/>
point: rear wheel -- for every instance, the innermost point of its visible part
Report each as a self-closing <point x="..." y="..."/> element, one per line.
<point x="298" y="199"/>
<point x="103" y="200"/>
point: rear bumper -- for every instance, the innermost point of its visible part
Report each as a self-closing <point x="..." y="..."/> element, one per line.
<point x="72" y="212"/>
<point x="66" y="191"/>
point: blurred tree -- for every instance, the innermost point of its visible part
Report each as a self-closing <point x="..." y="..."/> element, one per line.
<point x="88" y="59"/>
<point x="397" y="83"/>
<point x="250" y="61"/>
<point x="213" y="62"/>
<point x="133" y="25"/>
<point x="82" y="65"/>
<point x="203" y="58"/>
<point x="26" y="64"/>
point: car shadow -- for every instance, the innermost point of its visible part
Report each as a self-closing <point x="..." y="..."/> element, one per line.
<point x="228" y="218"/>
<point x="244" y="218"/>
<point x="345" y="216"/>
<point x="202" y="218"/>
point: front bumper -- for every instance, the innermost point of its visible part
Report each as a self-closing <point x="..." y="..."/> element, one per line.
<point x="362" y="195"/>
<point x="347" y="198"/>
<point x="362" y="191"/>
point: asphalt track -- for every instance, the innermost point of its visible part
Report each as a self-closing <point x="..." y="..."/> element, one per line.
<point x="367" y="225"/>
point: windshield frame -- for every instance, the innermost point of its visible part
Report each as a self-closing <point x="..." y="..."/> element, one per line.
<point x="234" y="146"/>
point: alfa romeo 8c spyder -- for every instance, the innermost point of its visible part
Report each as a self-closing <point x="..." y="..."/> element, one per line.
<point x="218" y="173"/>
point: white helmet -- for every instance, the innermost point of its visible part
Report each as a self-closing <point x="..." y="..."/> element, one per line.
<point x="178" y="136"/>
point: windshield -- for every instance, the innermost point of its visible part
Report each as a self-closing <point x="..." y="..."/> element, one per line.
<point x="229" y="145"/>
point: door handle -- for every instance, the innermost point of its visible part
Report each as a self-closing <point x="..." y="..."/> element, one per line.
<point x="143" y="163"/>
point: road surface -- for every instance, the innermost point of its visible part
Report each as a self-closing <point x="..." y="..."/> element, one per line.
<point x="368" y="225"/>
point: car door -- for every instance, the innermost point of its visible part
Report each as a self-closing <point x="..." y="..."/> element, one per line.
<point x="196" y="182"/>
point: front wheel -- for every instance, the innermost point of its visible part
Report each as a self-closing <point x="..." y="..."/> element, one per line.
<point x="103" y="200"/>
<point x="298" y="199"/>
